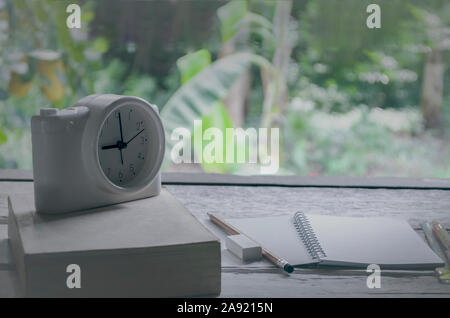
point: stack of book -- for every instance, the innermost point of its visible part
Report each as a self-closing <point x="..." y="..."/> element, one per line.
<point x="146" y="248"/>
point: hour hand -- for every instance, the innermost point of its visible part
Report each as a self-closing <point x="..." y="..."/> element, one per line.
<point x="110" y="146"/>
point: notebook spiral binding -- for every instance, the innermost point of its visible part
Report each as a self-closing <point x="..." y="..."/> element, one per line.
<point x="308" y="237"/>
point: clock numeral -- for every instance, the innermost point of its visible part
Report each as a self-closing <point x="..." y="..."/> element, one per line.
<point x="139" y="125"/>
<point x="120" y="176"/>
<point x="140" y="156"/>
<point x="129" y="114"/>
<point x="132" y="169"/>
<point x="144" y="140"/>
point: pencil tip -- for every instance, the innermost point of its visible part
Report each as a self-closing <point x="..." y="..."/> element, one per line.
<point x="288" y="268"/>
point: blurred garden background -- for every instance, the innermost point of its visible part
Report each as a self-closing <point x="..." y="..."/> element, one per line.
<point x="348" y="100"/>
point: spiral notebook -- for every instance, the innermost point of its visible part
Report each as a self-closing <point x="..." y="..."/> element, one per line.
<point x="304" y="239"/>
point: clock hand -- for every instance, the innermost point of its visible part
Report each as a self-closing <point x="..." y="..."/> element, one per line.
<point x="110" y="147"/>
<point x="134" y="136"/>
<point x="119" y="144"/>
<point x="120" y="125"/>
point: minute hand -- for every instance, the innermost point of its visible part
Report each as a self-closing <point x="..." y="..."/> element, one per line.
<point x="120" y="126"/>
<point x="134" y="136"/>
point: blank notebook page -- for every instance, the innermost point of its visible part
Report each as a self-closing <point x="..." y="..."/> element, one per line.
<point x="277" y="234"/>
<point x="378" y="240"/>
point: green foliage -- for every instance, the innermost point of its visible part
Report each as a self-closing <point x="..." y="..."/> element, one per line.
<point x="218" y="118"/>
<point x="109" y="79"/>
<point x="230" y="15"/>
<point x="353" y="93"/>
<point x="196" y="98"/>
<point x="3" y="136"/>
<point x="100" y="45"/>
<point x="237" y="18"/>
<point x="361" y="142"/>
<point x="141" y="86"/>
<point x="190" y="64"/>
<point x="200" y="96"/>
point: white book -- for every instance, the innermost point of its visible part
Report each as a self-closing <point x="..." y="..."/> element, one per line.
<point x="340" y="241"/>
<point x="152" y="247"/>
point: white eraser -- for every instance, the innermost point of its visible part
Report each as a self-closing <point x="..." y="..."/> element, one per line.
<point x="243" y="247"/>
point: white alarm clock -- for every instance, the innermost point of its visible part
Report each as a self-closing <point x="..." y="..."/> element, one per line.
<point x="105" y="149"/>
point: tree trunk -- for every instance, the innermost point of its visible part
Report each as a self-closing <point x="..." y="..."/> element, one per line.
<point x="236" y="98"/>
<point x="278" y="96"/>
<point x="281" y="22"/>
<point x="432" y="86"/>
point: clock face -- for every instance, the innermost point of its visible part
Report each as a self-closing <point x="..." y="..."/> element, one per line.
<point x="123" y="145"/>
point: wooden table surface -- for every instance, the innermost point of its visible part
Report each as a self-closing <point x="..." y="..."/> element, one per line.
<point x="414" y="200"/>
